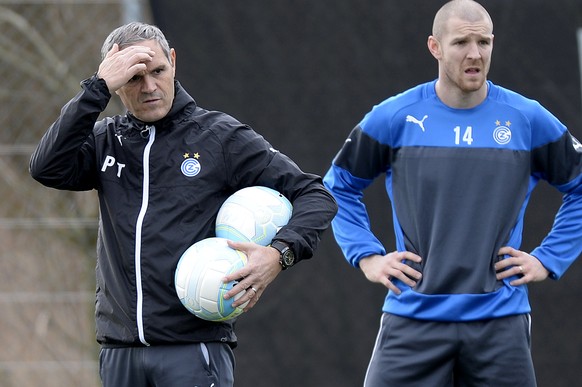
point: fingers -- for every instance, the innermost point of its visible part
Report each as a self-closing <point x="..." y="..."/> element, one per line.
<point x="520" y="264"/>
<point x="397" y="261"/>
<point x="131" y="54"/>
<point x="253" y="296"/>
<point x="119" y="66"/>
<point x="404" y="273"/>
<point x="510" y="266"/>
<point x="113" y="50"/>
<point x="245" y="247"/>
<point x="261" y="269"/>
<point x="387" y="282"/>
<point x="236" y="245"/>
<point x="387" y="268"/>
<point x="506" y="250"/>
<point x="513" y="271"/>
<point x="242" y="282"/>
<point x="408" y="256"/>
<point x="250" y="294"/>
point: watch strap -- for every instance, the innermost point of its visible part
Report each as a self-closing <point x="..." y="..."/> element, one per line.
<point x="286" y="255"/>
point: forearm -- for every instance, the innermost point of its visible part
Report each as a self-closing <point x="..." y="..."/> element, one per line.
<point x="563" y="244"/>
<point x="64" y="146"/>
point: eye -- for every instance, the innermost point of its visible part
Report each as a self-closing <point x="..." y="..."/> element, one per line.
<point x="134" y="79"/>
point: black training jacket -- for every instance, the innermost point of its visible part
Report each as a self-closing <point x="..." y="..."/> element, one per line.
<point x="160" y="186"/>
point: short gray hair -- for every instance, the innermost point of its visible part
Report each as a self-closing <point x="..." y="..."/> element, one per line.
<point x="132" y="33"/>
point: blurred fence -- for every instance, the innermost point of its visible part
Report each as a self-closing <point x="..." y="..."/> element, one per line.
<point x="47" y="237"/>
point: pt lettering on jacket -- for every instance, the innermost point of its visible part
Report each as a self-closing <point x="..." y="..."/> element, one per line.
<point x="110" y="162"/>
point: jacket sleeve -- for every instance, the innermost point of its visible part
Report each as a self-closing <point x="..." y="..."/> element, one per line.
<point x="251" y="160"/>
<point x="65" y="157"/>
<point x="358" y="163"/>
<point x="313" y="206"/>
<point x="560" y="163"/>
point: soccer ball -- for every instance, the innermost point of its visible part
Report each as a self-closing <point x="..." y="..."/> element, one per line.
<point x="253" y="214"/>
<point x="198" y="279"/>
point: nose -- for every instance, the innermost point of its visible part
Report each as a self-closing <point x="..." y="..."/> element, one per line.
<point x="148" y="84"/>
<point x="474" y="52"/>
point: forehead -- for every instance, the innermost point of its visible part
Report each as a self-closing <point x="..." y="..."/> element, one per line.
<point x="457" y="27"/>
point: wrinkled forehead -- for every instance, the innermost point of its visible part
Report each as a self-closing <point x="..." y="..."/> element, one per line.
<point x="458" y="27"/>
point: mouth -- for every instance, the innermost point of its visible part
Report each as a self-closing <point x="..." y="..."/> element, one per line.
<point x="472" y="71"/>
<point x="151" y="99"/>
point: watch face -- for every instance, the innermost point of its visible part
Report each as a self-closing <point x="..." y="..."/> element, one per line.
<point x="288" y="257"/>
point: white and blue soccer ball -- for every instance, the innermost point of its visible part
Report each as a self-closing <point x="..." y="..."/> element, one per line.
<point x="198" y="279"/>
<point x="253" y="214"/>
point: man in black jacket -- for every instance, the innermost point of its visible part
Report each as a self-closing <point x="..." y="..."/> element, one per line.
<point x="161" y="171"/>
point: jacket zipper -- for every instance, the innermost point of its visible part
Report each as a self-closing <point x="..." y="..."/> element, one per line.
<point x="138" y="230"/>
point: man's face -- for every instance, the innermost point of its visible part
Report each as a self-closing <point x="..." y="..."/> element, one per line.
<point x="465" y="54"/>
<point x="149" y="94"/>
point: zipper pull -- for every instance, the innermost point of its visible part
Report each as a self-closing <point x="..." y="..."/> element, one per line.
<point x="145" y="133"/>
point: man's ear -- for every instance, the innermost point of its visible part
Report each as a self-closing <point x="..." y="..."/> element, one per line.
<point x="173" y="57"/>
<point x="434" y="46"/>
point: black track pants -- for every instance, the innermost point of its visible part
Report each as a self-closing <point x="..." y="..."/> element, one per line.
<point x="191" y="365"/>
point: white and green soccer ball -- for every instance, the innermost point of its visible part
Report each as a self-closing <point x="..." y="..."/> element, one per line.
<point x="199" y="279"/>
<point x="253" y="214"/>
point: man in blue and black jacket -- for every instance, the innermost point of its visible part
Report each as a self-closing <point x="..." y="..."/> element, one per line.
<point x="162" y="170"/>
<point x="460" y="156"/>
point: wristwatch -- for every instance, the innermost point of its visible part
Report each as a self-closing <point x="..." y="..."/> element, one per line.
<point x="287" y="256"/>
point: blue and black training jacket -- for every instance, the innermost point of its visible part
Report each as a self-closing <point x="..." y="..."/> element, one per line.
<point x="459" y="181"/>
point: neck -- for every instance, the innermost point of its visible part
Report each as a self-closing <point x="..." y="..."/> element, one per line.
<point x="460" y="99"/>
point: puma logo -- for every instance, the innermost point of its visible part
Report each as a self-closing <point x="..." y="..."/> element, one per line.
<point x="414" y="120"/>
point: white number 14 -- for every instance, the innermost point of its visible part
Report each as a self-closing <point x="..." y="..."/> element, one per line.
<point x="467" y="136"/>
